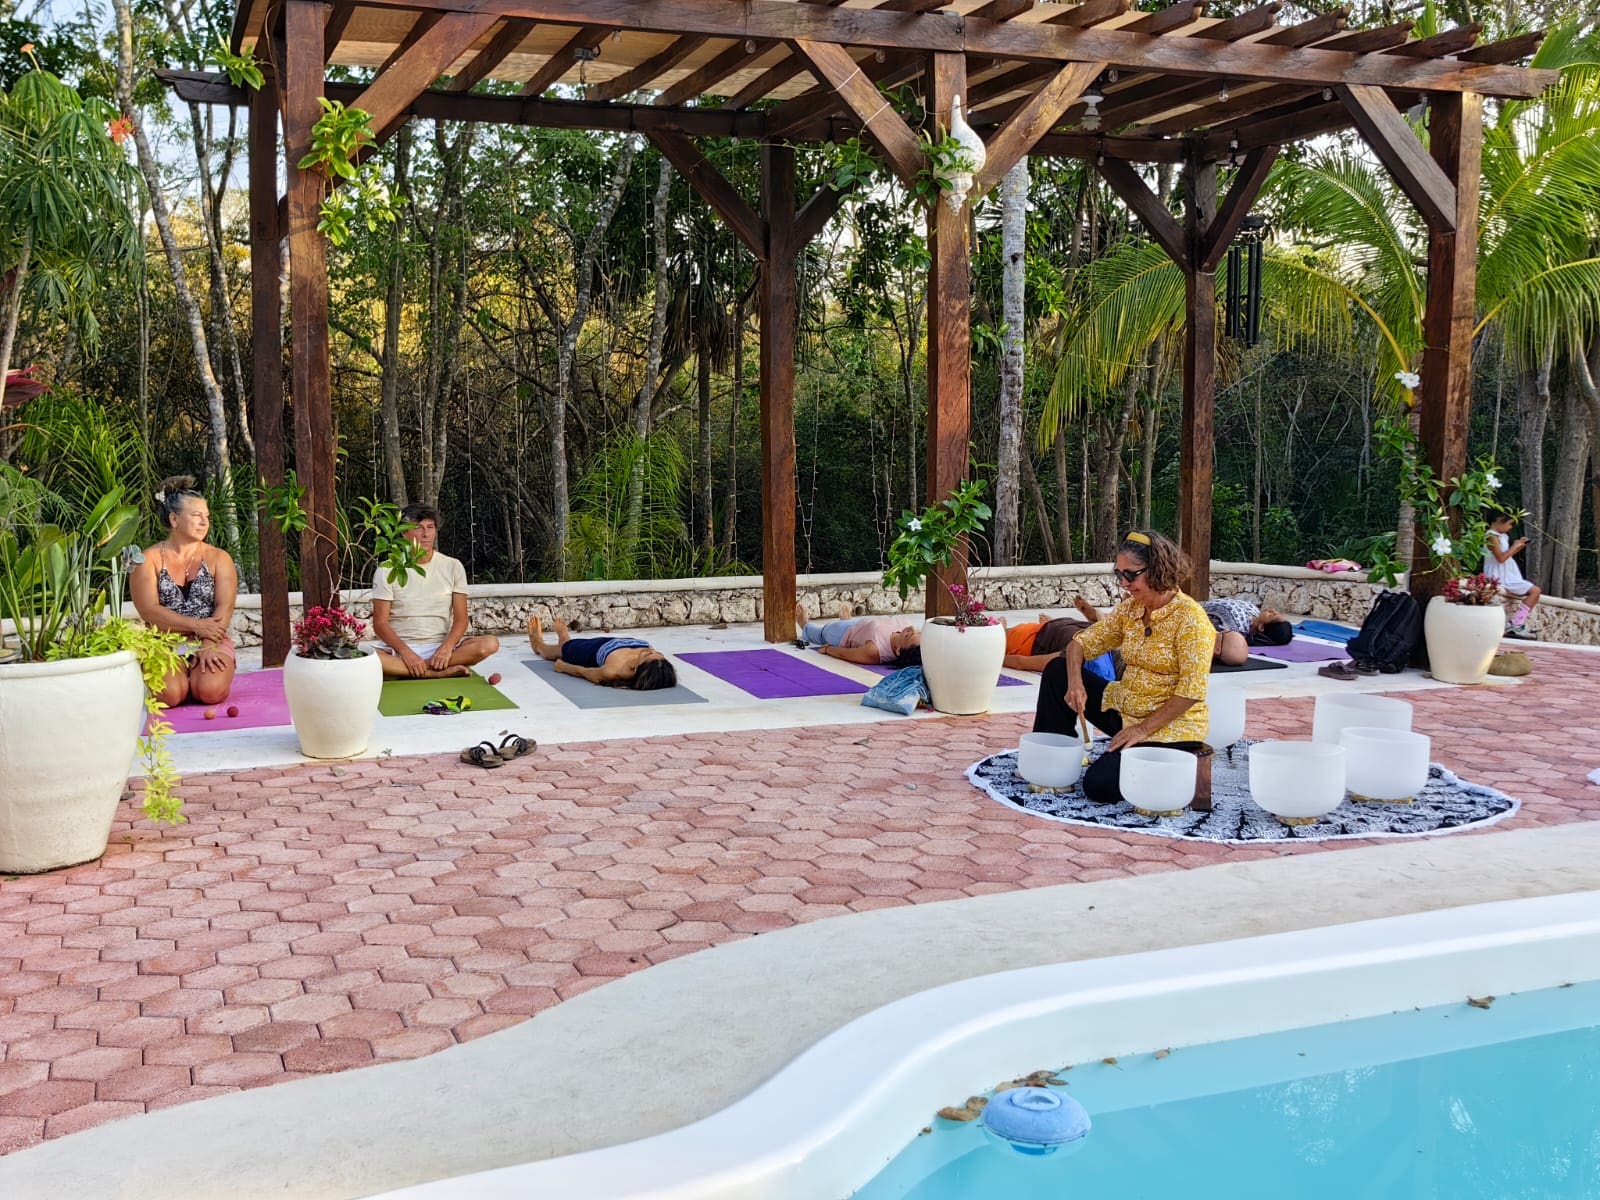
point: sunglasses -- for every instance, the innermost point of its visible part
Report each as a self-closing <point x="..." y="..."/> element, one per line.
<point x="1128" y="576"/>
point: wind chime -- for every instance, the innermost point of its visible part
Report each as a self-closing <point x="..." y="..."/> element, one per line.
<point x="1243" y="305"/>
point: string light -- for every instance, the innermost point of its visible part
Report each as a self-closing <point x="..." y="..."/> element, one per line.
<point x="1091" y="110"/>
<point x="878" y="55"/>
<point x="750" y="45"/>
<point x="1222" y="96"/>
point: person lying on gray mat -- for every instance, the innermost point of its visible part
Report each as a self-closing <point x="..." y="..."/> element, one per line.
<point x="609" y="661"/>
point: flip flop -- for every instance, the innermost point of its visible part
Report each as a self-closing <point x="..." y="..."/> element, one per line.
<point x="482" y="755"/>
<point x="1338" y="670"/>
<point x="514" y="746"/>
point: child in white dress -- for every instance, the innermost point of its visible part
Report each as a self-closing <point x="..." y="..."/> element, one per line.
<point x="1500" y="564"/>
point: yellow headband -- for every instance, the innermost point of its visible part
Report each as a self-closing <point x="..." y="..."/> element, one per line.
<point x="1135" y="536"/>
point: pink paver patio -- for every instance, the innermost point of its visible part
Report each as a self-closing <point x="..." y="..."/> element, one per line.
<point x="315" y="918"/>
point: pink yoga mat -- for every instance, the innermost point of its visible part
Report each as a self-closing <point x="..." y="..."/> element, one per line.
<point x="258" y="695"/>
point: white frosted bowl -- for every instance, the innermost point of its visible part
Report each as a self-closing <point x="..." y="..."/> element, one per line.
<point x="1053" y="761"/>
<point x="1297" y="782"/>
<point x="1158" y="782"/>
<point x="1335" y="713"/>
<point x="1226" y="705"/>
<point x="1385" y="764"/>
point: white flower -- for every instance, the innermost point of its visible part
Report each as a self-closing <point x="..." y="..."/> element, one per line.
<point x="1409" y="379"/>
<point x="1441" y="546"/>
<point x="1491" y="481"/>
<point x="915" y="525"/>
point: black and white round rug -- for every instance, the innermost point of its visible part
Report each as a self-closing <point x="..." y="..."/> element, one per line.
<point x="1446" y="804"/>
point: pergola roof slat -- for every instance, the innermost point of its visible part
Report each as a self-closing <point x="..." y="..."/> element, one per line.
<point x="561" y="61"/>
<point x="506" y="39"/>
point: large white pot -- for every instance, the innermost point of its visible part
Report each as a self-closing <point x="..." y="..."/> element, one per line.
<point x="68" y="734"/>
<point x="333" y="702"/>
<point x="962" y="665"/>
<point x="1462" y="639"/>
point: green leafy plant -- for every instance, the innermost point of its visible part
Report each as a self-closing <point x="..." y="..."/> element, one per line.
<point x="377" y="520"/>
<point x="242" y="70"/>
<point x="929" y="540"/>
<point x="1452" y="514"/>
<point x="337" y="140"/>
<point x="946" y="163"/>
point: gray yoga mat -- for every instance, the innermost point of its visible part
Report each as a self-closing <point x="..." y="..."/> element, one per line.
<point x="591" y="695"/>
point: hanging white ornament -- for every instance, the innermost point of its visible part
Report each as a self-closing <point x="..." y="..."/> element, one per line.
<point x="960" y="182"/>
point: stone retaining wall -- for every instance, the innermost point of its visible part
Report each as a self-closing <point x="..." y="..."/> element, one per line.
<point x="505" y="608"/>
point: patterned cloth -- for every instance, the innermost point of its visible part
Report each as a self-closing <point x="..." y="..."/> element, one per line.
<point x="1445" y="804"/>
<point x="1169" y="657"/>
<point x="197" y="598"/>
<point x="1231" y="616"/>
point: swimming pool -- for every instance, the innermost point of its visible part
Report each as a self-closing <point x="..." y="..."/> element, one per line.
<point x="828" y="1123"/>
<point x="1452" y="1101"/>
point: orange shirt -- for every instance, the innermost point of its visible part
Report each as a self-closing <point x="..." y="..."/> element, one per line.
<point x="1019" y="638"/>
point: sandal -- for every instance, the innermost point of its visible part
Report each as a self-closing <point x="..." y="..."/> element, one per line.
<point x="482" y="755"/>
<point x="514" y="746"/>
<point x="1338" y="670"/>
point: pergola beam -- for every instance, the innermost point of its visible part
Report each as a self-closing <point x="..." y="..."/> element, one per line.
<point x="510" y="35"/>
<point x="941" y="32"/>
<point x="1247" y="185"/>
<point x="1032" y="121"/>
<point x="1398" y="148"/>
<point x="714" y="188"/>
<point x="389" y="95"/>
<point x="871" y="107"/>
<point x="559" y="63"/>
<point x="1147" y="206"/>
<point x="651" y="68"/>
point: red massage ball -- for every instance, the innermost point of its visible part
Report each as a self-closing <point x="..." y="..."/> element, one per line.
<point x="233" y="710"/>
<point x="495" y="678"/>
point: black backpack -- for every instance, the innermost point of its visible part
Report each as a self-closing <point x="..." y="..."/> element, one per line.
<point x="1390" y="633"/>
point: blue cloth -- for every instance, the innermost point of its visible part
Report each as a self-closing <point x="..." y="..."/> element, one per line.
<point x="826" y="633"/>
<point x="1327" y="631"/>
<point x="900" y="691"/>
<point x="1105" y="666"/>
<point x="593" y="651"/>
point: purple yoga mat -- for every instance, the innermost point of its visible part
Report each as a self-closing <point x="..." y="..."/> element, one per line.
<point x="1005" y="680"/>
<point x="258" y="696"/>
<point x="772" y="674"/>
<point x="1302" y="651"/>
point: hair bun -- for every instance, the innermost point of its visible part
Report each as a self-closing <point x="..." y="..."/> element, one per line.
<point x="174" y="484"/>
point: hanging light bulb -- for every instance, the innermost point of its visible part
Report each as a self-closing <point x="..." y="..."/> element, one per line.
<point x="1222" y="96"/>
<point x="878" y="55"/>
<point x="1327" y="93"/>
<point x="749" y="45"/>
<point x="1091" y="110"/>
<point x="1112" y="76"/>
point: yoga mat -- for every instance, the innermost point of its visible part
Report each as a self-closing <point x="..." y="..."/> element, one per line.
<point x="886" y="669"/>
<point x="1250" y="664"/>
<point x="258" y="695"/>
<point x="772" y="674"/>
<point x="591" y="695"/>
<point x="1298" y="651"/>
<point x="1327" y="630"/>
<point x="405" y="697"/>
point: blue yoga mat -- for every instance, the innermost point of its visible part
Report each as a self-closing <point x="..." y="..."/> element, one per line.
<point x="1326" y="630"/>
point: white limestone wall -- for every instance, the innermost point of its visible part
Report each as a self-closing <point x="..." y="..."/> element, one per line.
<point x="506" y="607"/>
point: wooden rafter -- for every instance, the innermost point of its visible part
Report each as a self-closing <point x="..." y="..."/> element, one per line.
<point x="872" y="109"/>
<point x="388" y="96"/>
<point x="702" y="79"/>
<point x="714" y="188"/>
<point x="559" y="63"/>
<point x="1033" y="120"/>
<point x="506" y="39"/>
<point x="934" y="33"/>
<point x="998" y="84"/>
<point x="816" y="213"/>
<point x="338" y="22"/>
<point x="424" y="22"/>
<point x="1147" y="206"/>
<point x="1400" y="151"/>
<point x="1247" y="185"/>
<point x="638" y="77"/>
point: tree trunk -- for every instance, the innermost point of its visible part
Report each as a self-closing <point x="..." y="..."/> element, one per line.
<point x="13" y="310"/>
<point x="730" y="499"/>
<point x="644" y="403"/>
<point x="1533" y="413"/>
<point x="708" y="536"/>
<point x="394" y="301"/>
<point x="567" y="350"/>
<point x="1147" y="465"/>
<point x="1014" y="239"/>
<point x="1064" y="497"/>
<point x="1585" y="369"/>
<point x="1040" y="511"/>
<point x="1405" y="528"/>
<point x="1108" y="469"/>
<point x="149" y="166"/>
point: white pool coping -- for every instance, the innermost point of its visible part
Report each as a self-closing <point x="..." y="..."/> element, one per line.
<point x="827" y="1123"/>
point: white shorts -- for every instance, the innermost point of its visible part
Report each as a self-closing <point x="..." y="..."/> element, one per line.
<point x="1521" y="588"/>
<point x="423" y="652"/>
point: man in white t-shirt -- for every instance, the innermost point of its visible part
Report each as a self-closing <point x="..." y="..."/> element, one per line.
<point x="423" y="621"/>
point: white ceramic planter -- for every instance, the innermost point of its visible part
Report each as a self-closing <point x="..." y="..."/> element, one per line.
<point x="962" y="665"/>
<point x="333" y="702"/>
<point x="1462" y="639"/>
<point x="68" y="734"/>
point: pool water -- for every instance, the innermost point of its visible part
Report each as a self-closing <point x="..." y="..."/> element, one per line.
<point x="1452" y="1103"/>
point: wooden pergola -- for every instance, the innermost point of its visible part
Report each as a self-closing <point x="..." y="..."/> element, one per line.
<point x="1095" y="80"/>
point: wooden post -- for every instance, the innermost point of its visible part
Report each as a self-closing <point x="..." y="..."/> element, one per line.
<point x="949" y="334"/>
<point x="304" y="28"/>
<point x="1197" y="453"/>
<point x="266" y="325"/>
<point x="777" y="309"/>
<point x="1455" y="127"/>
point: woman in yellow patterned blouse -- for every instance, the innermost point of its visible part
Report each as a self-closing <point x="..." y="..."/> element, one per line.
<point x="1166" y="641"/>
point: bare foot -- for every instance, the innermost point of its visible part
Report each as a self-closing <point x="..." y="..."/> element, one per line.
<point x="1089" y="611"/>
<point x="561" y="628"/>
<point x="449" y="673"/>
<point x="1043" y="617"/>
<point x="535" y="632"/>
<point x="846" y="613"/>
<point x="800" y="620"/>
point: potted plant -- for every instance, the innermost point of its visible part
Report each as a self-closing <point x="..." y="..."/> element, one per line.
<point x="1464" y="622"/>
<point x="332" y="684"/>
<point x="78" y="688"/>
<point x="961" y="655"/>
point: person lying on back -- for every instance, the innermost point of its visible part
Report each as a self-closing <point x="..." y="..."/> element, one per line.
<point x="866" y="640"/>
<point x="609" y="661"/>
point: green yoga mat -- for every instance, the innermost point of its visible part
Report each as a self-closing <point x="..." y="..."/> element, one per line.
<point x="405" y="697"/>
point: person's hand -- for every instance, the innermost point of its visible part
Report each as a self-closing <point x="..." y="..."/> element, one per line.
<point x="1077" y="696"/>
<point x="561" y="667"/>
<point x="210" y="658"/>
<point x="1129" y="735"/>
<point x="823" y="650"/>
<point x="415" y="667"/>
<point x="209" y="629"/>
<point x="1521" y="542"/>
<point x="441" y="657"/>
